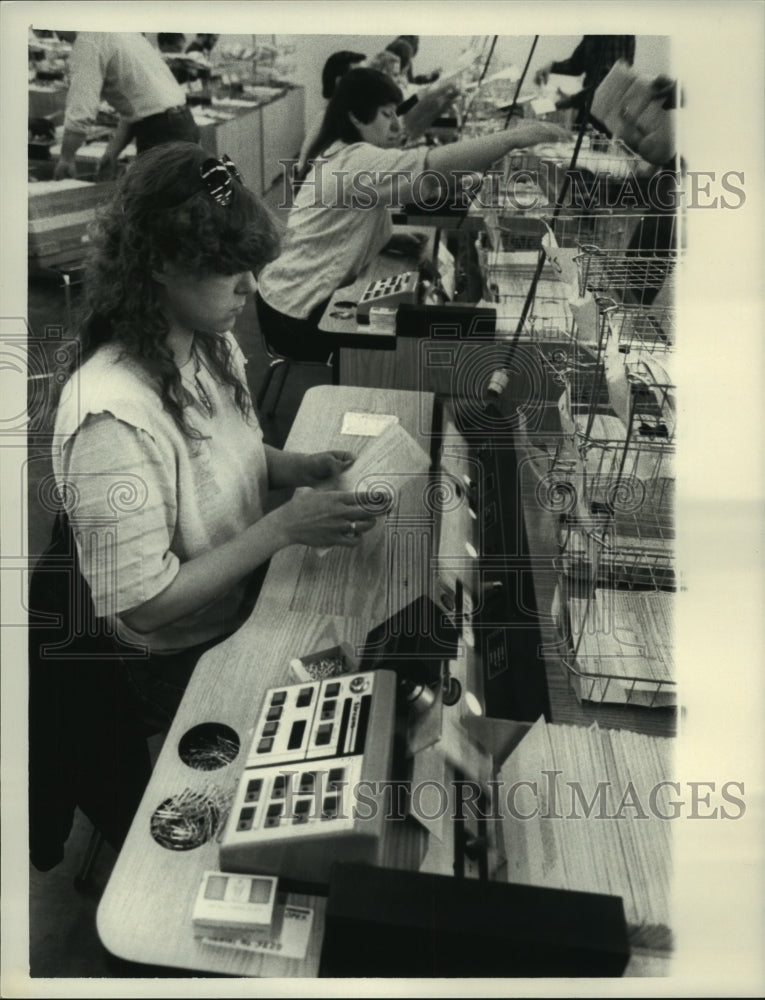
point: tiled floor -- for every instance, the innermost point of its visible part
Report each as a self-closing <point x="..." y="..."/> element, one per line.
<point x="63" y="941"/>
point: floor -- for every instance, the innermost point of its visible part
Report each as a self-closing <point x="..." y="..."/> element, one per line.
<point x="63" y="941"/>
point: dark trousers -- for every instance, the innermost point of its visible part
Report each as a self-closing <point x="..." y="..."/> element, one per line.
<point x="174" y="125"/>
<point x="158" y="682"/>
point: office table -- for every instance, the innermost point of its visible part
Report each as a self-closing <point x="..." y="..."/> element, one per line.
<point x="307" y="603"/>
<point x="376" y="359"/>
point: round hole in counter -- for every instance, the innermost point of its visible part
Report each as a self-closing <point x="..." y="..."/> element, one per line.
<point x="186" y="820"/>
<point x="208" y="746"/>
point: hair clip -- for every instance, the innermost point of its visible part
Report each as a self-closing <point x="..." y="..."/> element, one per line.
<point x="217" y="176"/>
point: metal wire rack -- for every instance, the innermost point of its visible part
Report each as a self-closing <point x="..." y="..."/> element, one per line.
<point x="616" y="567"/>
<point x="618" y="637"/>
<point x="643" y="329"/>
<point x="625" y="275"/>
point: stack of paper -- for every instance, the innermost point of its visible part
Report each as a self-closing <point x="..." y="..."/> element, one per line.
<point x="623" y="646"/>
<point x="388" y="465"/>
<point x="599" y="825"/>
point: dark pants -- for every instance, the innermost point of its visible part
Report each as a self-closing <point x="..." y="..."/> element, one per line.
<point x="159" y="682"/>
<point x="298" y="339"/>
<point x="174" y="125"/>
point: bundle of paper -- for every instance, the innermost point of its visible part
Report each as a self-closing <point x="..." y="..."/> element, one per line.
<point x="59" y="215"/>
<point x="599" y="826"/>
<point x="623" y="646"/>
<point x="387" y="464"/>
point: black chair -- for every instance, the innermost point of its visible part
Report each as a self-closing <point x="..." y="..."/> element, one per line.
<point x="277" y="360"/>
<point x="87" y="745"/>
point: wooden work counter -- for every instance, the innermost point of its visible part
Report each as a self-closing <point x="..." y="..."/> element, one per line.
<point x="307" y="603"/>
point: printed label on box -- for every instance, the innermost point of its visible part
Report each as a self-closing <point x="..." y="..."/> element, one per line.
<point x="291" y="942"/>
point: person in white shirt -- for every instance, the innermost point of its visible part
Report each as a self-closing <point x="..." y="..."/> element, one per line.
<point x="335" y="68"/>
<point x="124" y="69"/>
<point x="340" y="220"/>
<point x="157" y="447"/>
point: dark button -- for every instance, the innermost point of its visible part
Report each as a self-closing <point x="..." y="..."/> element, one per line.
<point x="265" y="745"/>
<point x="304" y="698"/>
<point x="332" y="690"/>
<point x="328" y="709"/>
<point x="270" y="728"/>
<point x="273" y="714"/>
<point x="273" y="815"/>
<point x="335" y="776"/>
<point x="324" y="735"/>
<point x="253" y="790"/>
<point x="296" y="734"/>
<point x="329" y="807"/>
<point x="246" y="817"/>
<point x="302" y="805"/>
<point x="307" y="781"/>
<point x="279" y="697"/>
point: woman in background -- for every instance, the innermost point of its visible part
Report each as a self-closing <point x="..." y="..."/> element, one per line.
<point x="413" y="41"/>
<point x="334" y="70"/>
<point x="404" y="52"/>
<point x="340" y="220"/>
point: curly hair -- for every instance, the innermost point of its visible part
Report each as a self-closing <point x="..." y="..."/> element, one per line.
<point x="160" y="212"/>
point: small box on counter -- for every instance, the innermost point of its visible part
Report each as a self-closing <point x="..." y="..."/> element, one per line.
<point x="235" y="904"/>
<point x="332" y="662"/>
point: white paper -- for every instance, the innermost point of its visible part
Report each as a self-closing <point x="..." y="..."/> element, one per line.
<point x="385" y="462"/>
<point x="366" y="424"/>
<point x="393" y="452"/>
<point x="542" y="106"/>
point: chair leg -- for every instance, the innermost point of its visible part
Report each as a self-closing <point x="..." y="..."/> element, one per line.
<point x="81" y="879"/>
<point x="279" y="390"/>
<point x="67" y="279"/>
<point x="267" y="382"/>
<point x="334" y="364"/>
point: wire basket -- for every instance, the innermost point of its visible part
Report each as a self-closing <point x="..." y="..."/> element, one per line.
<point x="618" y="640"/>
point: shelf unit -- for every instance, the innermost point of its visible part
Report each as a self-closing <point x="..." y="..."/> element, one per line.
<point x="603" y="319"/>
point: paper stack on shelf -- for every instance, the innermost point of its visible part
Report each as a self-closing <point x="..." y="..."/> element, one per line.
<point x="59" y="213"/>
<point x="597" y="827"/>
<point x="623" y="646"/>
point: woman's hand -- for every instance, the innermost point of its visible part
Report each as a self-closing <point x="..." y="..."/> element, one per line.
<point x="324" y="465"/>
<point x="542" y="75"/>
<point x="323" y="518"/>
<point x="292" y="468"/>
<point x="64" y="169"/>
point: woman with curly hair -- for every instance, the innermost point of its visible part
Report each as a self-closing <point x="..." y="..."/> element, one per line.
<point x="159" y="456"/>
